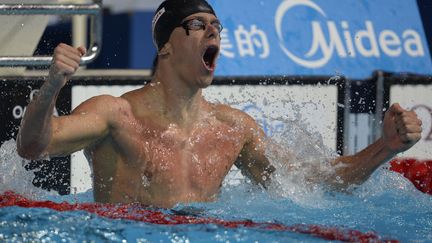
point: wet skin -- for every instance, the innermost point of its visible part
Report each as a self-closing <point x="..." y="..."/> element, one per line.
<point x="149" y="159"/>
<point x="164" y="144"/>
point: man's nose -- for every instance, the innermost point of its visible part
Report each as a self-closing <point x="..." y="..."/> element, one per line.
<point x="211" y="31"/>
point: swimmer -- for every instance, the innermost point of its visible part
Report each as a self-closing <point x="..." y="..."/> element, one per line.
<point x="163" y="143"/>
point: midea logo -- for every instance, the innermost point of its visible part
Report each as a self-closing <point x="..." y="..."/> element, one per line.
<point x="344" y="43"/>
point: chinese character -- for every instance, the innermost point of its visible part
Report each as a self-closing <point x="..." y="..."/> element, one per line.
<point x="226" y="45"/>
<point x="248" y="41"/>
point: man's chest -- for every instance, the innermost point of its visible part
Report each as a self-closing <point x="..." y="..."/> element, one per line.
<point x="205" y="150"/>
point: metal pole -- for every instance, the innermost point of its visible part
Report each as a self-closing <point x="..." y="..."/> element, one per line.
<point x="49" y="9"/>
<point x="79" y="29"/>
<point x="94" y="10"/>
<point x="380" y="106"/>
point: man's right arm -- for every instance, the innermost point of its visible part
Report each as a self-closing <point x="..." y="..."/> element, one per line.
<point x="43" y="135"/>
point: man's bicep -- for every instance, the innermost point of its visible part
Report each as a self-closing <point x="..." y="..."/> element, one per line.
<point x="72" y="133"/>
<point x="87" y="124"/>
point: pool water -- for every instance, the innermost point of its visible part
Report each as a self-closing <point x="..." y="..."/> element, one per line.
<point x="386" y="207"/>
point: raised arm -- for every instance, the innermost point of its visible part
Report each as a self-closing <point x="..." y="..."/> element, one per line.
<point x="40" y="133"/>
<point x="401" y="130"/>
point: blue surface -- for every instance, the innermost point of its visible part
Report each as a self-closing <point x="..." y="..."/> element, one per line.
<point x="381" y="36"/>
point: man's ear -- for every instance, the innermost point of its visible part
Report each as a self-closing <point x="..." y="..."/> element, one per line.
<point x="166" y="49"/>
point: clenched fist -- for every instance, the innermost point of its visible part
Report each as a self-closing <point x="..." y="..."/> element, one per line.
<point x="66" y="60"/>
<point x="402" y="129"/>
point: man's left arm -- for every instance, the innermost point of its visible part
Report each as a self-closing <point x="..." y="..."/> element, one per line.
<point x="401" y="130"/>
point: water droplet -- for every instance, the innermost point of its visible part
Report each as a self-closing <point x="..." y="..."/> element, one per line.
<point x="145" y="181"/>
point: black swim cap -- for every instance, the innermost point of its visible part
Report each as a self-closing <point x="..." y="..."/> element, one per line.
<point x="170" y="14"/>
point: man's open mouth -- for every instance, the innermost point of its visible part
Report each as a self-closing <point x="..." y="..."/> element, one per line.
<point x="209" y="57"/>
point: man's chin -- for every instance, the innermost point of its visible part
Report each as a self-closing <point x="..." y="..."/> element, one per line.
<point x="205" y="81"/>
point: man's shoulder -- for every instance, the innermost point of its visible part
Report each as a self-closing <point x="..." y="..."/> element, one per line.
<point x="107" y="103"/>
<point x="108" y="100"/>
<point x="224" y="109"/>
<point x="232" y="115"/>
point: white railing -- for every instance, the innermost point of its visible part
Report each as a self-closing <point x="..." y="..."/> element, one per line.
<point x="94" y="10"/>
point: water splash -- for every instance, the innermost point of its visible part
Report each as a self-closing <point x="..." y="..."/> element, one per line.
<point x="301" y="161"/>
<point x="14" y="176"/>
<point x="387" y="203"/>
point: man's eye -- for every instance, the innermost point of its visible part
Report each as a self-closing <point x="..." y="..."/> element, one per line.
<point x="217" y="25"/>
<point x="196" y="23"/>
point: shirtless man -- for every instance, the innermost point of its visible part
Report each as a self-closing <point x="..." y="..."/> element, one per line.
<point x="164" y="143"/>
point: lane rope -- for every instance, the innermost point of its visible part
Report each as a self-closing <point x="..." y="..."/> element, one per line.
<point x="140" y="213"/>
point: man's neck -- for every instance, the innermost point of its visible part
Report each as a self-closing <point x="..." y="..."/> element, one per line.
<point x="180" y="103"/>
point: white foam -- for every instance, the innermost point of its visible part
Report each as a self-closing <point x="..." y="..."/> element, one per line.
<point x="300" y="158"/>
<point x="13" y="175"/>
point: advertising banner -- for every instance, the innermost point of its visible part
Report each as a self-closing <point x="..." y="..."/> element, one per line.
<point x="321" y="37"/>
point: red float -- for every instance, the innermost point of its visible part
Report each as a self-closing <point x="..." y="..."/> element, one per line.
<point x="419" y="172"/>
